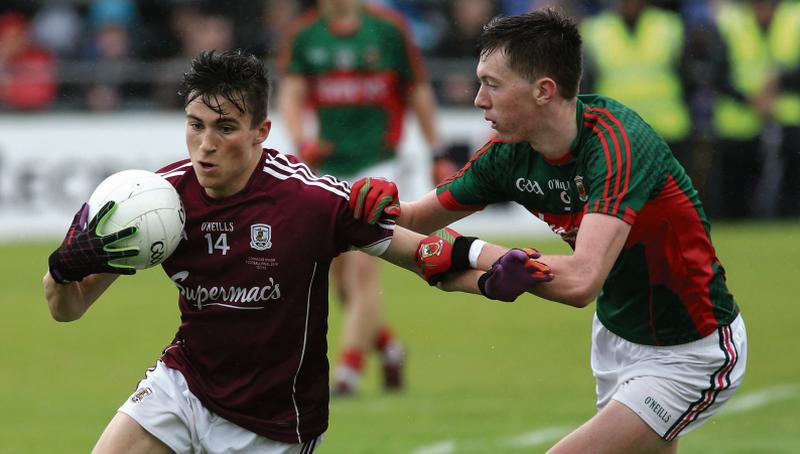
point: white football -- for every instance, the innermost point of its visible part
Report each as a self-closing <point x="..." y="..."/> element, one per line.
<point x="147" y="201"/>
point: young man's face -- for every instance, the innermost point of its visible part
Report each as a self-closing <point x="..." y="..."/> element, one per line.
<point x="224" y="149"/>
<point x="506" y="98"/>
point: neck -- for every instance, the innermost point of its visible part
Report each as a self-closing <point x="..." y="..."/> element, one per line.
<point x="343" y="14"/>
<point x="555" y="137"/>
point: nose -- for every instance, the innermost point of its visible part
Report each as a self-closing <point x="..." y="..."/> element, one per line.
<point x="207" y="142"/>
<point x="481" y="99"/>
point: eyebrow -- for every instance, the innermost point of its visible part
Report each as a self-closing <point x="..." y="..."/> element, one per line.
<point x="219" y="120"/>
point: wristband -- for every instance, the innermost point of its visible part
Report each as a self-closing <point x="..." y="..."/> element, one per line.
<point x="475" y="252"/>
<point x="460" y="256"/>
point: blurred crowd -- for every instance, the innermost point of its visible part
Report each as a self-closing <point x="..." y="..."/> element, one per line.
<point x="720" y="80"/>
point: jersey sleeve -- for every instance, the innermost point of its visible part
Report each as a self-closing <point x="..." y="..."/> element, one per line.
<point x="623" y="170"/>
<point x="372" y="239"/>
<point x="479" y="182"/>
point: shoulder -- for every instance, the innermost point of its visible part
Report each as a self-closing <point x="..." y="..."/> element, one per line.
<point x="300" y="178"/>
<point x="177" y="171"/>
<point x="304" y="23"/>
<point x="387" y="22"/>
<point x="386" y="16"/>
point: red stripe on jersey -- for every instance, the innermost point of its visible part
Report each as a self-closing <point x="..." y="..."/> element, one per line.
<point x="466" y="166"/>
<point x="627" y="143"/>
<point x="617" y="152"/>
<point x="609" y="171"/>
<point x="685" y="256"/>
<point x="449" y="202"/>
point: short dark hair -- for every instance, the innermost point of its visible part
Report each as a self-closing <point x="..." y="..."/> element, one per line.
<point x="239" y="77"/>
<point x="540" y="43"/>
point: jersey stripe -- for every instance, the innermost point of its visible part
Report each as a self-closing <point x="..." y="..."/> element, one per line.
<point x="719" y="381"/>
<point x="606" y="151"/>
<point x="617" y="152"/>
<point x="303" y="174"/>
<point x="284" y="160"/>
<point x="627" y="143"/>
<point x="303" y="351"/>
<point x="176" y="171"/>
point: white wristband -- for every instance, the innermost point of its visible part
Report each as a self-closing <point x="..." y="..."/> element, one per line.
<point x="474" y="251"/>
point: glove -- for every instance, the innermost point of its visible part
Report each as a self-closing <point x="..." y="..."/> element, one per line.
<point x="84" y="251"/>
<point x="371" y="198"/>
<point x="513" y="274"/>
<point x="442" y="252"/>
<point x="314" y="152"/>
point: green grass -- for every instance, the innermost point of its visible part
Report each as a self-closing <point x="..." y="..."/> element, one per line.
<point x="480" y="373"/>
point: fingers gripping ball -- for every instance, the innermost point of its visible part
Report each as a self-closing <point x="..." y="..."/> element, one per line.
<point x="85" y="251"/>
<point x="148" y="202"/>
<point x="513" y="274"/>
<point x="442" y="252"/>
<point x="372" y="198"/>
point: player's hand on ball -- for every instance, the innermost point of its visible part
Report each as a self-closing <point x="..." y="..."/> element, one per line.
<point x="513" y="274"/>
<point x="373" y="198"/>
<point x="442" y="252"/>
<point x="85" y="251"/>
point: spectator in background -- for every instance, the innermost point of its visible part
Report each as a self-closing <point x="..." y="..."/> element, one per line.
<point x="461" y="42"/>
<point x="110" y="49"/>
<point x="758" y="81"/>
<point x="198" y="27"/>
<point x="28" y="75"/>
<point x="635" y="54"/>
<point x="781" y="24"/>
<point x="58" y="28"/>
<point x="276" y="18"/>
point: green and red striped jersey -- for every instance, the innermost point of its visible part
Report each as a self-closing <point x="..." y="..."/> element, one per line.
<point x="667" y="286"/>
<point x="358" y="83"/>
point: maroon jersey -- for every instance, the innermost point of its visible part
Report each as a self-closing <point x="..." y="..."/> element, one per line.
<point x="252" y="271"/>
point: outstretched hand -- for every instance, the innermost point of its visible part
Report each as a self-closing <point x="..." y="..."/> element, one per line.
<point x="513" y="274"/>
<point x="86" y="251"/>
<point x="372" y="198"/>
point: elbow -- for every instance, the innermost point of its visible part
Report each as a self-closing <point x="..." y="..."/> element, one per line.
<point x="64" y="316"/>
<point x="580" y="297"/>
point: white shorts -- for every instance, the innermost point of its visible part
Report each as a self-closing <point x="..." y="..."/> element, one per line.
<point x="674" y="389"/>
<point x="164" y="406"/>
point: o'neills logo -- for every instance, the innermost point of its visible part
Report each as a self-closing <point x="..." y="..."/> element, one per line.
<point x="230" y="296"/>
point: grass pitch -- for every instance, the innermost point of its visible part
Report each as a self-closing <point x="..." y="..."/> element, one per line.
<point x="484" y="377"/>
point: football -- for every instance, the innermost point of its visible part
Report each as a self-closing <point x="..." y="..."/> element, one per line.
<point x="149" y="202"/>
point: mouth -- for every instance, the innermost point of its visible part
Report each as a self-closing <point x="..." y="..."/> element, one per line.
<point x="206" y="167"/>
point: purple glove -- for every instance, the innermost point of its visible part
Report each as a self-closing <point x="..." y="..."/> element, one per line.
<point x="513" y="274"/>
<point x="85" y="251"/>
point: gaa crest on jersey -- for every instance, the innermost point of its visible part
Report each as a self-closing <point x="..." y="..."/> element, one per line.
<point x="582" y="195"/>
<point x="260" y="237"/>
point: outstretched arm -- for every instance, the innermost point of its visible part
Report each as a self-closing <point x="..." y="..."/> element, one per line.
<point x="579" y="276"/>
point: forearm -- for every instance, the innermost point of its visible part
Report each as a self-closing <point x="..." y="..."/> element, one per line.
<point x="423" y="103"/>
<point x="68" y="302"/>
<point x="291" y="105"/>
<point x="427" y="214"/>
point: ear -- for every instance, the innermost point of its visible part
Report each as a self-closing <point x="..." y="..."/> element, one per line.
<point x="263" y="132"/>
<point x="544" y="90"/>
